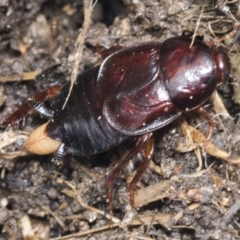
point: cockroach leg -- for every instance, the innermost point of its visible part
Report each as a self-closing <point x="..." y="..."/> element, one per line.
<point x="17" y="116"/>
<point x="40" y="108"/>
<point x="26" y="108"/>
<point x="147" y="154"/>
<point x="141" y="142"/>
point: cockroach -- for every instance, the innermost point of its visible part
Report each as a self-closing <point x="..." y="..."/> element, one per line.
<point x="135" y="91"/>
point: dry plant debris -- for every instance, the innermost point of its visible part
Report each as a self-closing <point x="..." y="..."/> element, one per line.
<point x="177" y="198"/>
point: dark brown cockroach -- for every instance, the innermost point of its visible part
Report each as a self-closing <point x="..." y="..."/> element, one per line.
<point x="135" y="91"/>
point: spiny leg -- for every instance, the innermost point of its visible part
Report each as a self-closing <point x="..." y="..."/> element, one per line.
<point x="24" y="110"/>
<point x="139" y="145"/>
<point x="147" y="154"/>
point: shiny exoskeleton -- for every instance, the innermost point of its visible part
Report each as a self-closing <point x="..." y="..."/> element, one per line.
<point x="136" y="90"/>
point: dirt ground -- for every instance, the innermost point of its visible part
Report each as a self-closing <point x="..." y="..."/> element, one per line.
<point x="191" y="187"/>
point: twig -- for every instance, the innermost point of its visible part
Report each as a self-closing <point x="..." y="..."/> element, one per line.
<point x="79" y="43"/>
<point x="162" y="219"/>
<point x="74" y="194"/>
<point x="25" y="77"/>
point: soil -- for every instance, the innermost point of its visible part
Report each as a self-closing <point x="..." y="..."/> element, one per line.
<point x="175" y="199"/>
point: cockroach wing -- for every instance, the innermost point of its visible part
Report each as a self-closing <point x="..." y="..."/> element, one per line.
<point x="143" y="111"/>
<point x="127" y="70"/>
